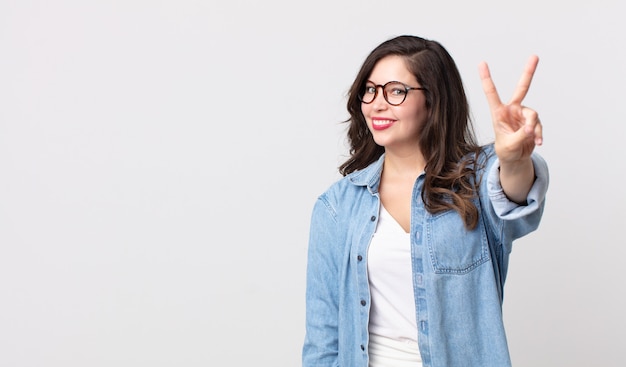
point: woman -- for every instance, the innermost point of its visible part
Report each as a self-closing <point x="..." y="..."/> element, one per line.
<point x="408" y="252"/>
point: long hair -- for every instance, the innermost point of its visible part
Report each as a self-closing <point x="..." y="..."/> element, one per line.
<point x="447" y="139"/>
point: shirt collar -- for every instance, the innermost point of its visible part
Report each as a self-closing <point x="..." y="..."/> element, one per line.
<point x="369" y="176"/>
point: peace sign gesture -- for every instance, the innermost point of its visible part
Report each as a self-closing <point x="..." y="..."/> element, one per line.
<point x="517" y="130"/>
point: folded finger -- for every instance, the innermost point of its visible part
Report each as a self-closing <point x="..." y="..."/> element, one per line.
<point x="538" y="133"/>
<point x="533" y="125"/>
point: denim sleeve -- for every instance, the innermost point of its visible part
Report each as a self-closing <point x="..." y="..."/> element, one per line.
<point x="507" y="209"/>
<point x="517" y="220"/>
<point x="322" y="289"/>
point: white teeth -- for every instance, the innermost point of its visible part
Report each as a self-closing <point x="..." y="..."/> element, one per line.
<point x="382" y="122"/>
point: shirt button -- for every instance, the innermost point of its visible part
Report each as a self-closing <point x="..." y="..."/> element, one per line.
<point x="362" y="347"/>
<point x="363" y="303"/>
<point x="373" y="218"/>
<point x="417" y="235"/>
<point x="359" y="257"/>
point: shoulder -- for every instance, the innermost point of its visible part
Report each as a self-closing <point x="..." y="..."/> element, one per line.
<point x="355" y="183"/>
<point x="480" y="160"/>
<point x="341" y="190"/>
<point x="487" y="156"/>
<point x="356" y="191"/>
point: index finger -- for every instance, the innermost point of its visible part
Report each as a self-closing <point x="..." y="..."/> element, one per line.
<point x="488" y="87"/>
<point x="524" y="83"/>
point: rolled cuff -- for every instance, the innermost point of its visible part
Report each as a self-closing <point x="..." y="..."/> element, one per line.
<point x="507" y="209"/>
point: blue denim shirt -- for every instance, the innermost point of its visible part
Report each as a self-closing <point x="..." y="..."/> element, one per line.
<point x="458" y="275"/>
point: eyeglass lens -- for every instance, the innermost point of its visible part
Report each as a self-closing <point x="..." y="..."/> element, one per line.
<point x="393" y="92"/>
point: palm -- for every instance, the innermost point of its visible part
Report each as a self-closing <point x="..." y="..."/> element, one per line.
<point x="517" y="128"/>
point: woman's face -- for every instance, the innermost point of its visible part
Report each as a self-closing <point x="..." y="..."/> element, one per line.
<point x="395" y="127"/>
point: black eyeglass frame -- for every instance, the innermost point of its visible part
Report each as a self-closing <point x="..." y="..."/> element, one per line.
<point x="407" y="88"/>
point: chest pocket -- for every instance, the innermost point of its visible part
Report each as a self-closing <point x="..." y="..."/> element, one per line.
<point x="452" y="248"/>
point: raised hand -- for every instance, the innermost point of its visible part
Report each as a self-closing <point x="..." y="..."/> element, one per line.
<point x="517" y="128"/>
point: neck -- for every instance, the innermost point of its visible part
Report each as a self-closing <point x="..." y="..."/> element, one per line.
<point x="409" y="165"/>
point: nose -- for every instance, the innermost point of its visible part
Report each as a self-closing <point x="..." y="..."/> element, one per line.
<point x="379" y="101"/>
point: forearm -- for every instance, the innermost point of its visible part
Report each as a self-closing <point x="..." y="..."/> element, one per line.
<point x="517" y="178"/>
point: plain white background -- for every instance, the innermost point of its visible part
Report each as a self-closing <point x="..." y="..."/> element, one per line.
<point x="159" y="161"/>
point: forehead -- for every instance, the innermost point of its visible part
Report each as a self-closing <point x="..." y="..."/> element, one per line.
<point x="390" y="68"/>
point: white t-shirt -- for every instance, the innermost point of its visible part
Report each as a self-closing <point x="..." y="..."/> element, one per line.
<point x="392" y="309"/>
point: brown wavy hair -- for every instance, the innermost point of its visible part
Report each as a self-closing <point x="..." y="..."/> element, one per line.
<point x="447" y="139"/>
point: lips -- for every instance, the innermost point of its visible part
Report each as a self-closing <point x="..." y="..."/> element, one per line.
<point x="381" y="124"/>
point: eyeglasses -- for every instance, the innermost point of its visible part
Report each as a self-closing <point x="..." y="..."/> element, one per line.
<point x="394" y="92"/>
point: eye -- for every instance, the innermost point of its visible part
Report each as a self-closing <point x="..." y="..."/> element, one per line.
<point x="397" y="91"/>
<point x="369" y="89"/>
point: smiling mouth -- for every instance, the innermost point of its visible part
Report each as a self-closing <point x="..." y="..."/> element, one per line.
<point x="381" y="124"/>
